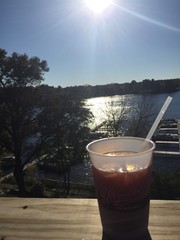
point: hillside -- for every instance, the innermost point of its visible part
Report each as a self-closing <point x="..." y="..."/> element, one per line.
<point x="146" y="86"/>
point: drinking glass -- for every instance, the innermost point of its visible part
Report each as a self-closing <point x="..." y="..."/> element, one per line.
<point x="122" y="175"/>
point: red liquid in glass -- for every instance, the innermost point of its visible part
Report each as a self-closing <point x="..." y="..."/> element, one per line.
<point x="123" y="199"/>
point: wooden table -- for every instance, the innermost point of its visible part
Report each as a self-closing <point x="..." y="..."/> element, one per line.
<point x="74" y="219"/>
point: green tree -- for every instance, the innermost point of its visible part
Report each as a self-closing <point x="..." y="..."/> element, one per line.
<point x="63" y="125"/>
<point x="18" y="107"/>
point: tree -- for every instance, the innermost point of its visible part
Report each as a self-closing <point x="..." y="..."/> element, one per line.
<point x="115" y="117"/>
<point x="129" y="118"/>
<point x="142" y="113"/>
<point x="63" y="126"/>
<point x="18" y="106"/>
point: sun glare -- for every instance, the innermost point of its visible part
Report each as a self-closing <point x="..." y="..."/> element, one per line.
<point x="98" y="6"/>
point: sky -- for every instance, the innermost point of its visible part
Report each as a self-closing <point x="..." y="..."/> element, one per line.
<point x="129" y="40"/>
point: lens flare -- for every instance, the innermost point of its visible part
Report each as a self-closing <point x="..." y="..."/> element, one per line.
<point x="98" y="6"/>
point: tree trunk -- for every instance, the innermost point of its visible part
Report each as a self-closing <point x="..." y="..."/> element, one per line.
<point x="19" y="176"/>
<point x="68" y="183"/>
<point x="65" y="183"/>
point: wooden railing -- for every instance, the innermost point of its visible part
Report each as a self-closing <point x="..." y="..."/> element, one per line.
<point x="75" y="219"/>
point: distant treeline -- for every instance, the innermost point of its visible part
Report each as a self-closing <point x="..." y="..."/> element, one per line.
<point x="146" y="86"/>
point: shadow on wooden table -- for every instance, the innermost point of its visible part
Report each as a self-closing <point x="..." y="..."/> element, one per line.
<point x="148" y="236"/>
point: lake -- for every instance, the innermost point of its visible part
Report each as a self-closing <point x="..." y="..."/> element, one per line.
<point x="82" y="173"/>
<point x="99" y="105"/>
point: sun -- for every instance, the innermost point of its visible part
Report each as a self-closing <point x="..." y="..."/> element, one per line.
<point x="98" y="6"/>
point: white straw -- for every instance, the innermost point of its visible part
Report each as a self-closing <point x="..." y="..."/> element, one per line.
<point x="159" y="117"/>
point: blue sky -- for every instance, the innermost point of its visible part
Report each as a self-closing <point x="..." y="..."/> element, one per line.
<point x="129" y="40"/>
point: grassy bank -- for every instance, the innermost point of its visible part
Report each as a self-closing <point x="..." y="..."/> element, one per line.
<point x="164" y="186"/>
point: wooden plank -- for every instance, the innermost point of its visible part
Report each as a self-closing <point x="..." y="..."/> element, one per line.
<point x="167" y="153"/>
<point x="168" y="128"/>
<point x="167" y="142"/>
<point x="75" y="219"/>
<point x="164" y="220"/>
<point x="49" y="219"/>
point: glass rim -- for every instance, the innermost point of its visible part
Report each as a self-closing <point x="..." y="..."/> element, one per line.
<point x="121" y="137"/>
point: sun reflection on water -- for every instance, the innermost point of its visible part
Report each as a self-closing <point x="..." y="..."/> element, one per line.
<point x="100" y="106"/>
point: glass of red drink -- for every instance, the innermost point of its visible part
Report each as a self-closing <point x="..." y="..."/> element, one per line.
<point x="122" y="175"/>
